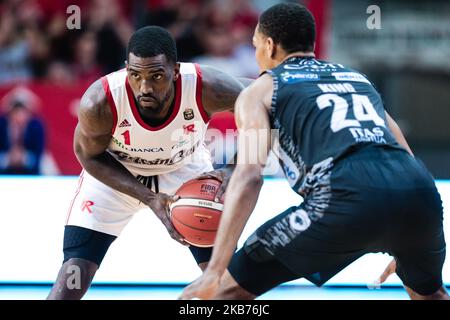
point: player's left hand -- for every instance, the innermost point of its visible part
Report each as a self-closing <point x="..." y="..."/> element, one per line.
<point x="390" y="269"/>
<point x="203" y="288"/>
<point x="223" y="175"/>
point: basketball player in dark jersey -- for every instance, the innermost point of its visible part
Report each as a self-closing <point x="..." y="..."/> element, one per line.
<point x="363" y="190"/>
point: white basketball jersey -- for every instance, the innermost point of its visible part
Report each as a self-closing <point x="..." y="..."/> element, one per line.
<point x="146" y="150"/>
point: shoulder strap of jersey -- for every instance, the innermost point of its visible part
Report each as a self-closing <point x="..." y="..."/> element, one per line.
<point x="111" y="102"/>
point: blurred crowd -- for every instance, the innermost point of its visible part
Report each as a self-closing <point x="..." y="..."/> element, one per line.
<point x="42" y="42"/>
<point x="22" y="134"/>
<point x="36" y="43"/>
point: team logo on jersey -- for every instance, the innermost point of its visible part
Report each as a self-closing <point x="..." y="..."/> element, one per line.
<point x="188" y="114"/>
<point x="86" y="206"/>
<point x="189" y="128"/>
<point x="350" y="76"/>
<point x="124" y="123"/>
<point x="294" y="77"/>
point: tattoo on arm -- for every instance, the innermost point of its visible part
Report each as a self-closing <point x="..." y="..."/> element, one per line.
<point x="91" y="141"/>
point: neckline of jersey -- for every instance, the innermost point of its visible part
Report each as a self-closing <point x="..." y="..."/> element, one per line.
<point x="299" y="57"/>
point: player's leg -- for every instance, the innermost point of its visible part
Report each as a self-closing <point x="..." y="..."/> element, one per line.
<point x="418" y="241"/>
<point x="288" y="247"/>
<point x="417" y="238"/>
<point x="201" y="256"/>
<point x="96" y="217"/>
<point x="246" y="279"/>
<point x="84" y="250"/>
<point x="74" y="278"/>
<point x="419" y="266"/>
<point x="441" y="294"/>
<point x="339" y="221"/>
<point x="422" y="275"/>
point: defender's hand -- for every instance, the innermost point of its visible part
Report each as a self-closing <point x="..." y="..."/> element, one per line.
<point x="390" y="269"/>
<point x="160" y="205"/>
<point x="204" y="288"/>
<point x="223" y="175"/>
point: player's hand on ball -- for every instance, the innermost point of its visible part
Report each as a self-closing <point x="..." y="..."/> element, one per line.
<point x="204" y="288"/>
<point x="160" y="205"/>
<point x="223" y="175"/>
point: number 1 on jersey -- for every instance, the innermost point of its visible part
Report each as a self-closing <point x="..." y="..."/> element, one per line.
<point x="126" y="136"/>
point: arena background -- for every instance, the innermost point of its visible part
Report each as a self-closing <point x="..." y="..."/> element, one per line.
<point x="46" y="63"/>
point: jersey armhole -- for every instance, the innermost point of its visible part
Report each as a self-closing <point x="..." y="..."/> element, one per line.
<point x="198" y="94"/>
<point x="274" y="77"/>
<point x="111" y="103"/>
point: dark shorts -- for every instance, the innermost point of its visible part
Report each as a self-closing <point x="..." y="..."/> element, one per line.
<point x="92" y="245"/>
<point x="371" y="201"/>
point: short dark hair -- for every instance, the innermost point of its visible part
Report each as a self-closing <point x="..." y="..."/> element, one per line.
<point x="291" y="25"/>
<point x="151" y="41"/>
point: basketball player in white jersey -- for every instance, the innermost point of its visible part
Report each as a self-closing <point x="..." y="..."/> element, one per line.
<point x="139" y="138"/>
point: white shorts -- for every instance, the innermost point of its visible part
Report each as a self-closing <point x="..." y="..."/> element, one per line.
<point x="98" y="207"/>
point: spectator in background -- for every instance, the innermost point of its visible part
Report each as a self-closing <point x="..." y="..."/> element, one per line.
<point x="14" y="51"/>
<point x="227" y="36"/>
<point x="59" y="73"/>
<point x="85" y="66"/>
<point x="112" y="29"/>
<point x="23" y="49"/>
<point x="96" y="49"/>
<point x="181" y="18"/>
<point x="21" y="139"/>
<point x="36" y="43"/>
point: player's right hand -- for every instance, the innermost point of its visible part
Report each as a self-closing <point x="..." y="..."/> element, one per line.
<point x="223" y="175"/>
<point x="160" y="205"/>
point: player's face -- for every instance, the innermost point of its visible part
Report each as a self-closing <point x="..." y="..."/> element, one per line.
<point x="263" y="50"/>
<point x="152" y="81"/>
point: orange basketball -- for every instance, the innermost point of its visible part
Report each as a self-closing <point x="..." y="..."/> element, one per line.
<point x="195" y="215"/>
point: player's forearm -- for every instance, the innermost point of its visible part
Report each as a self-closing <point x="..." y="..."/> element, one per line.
<point x="108" y="170"/>
<point x="239" y="205"/>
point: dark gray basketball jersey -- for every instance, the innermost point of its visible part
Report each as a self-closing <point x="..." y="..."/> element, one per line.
<point x="322" y="111"/>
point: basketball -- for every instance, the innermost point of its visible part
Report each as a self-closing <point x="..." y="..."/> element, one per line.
<point x="195" y="215"/>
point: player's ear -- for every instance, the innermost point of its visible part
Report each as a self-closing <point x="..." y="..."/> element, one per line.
<point x="270" y="48"/>
<point x="176" y="72"/>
